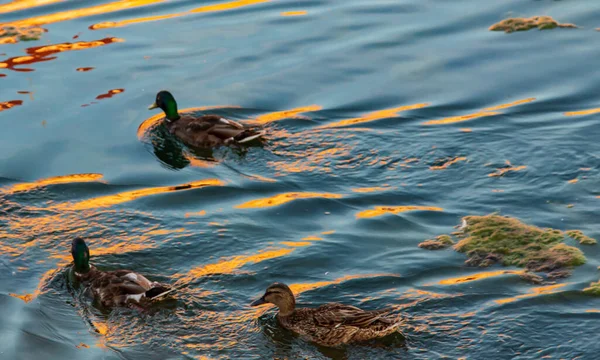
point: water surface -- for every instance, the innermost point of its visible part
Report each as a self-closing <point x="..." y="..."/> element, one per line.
<point x="387" y="122"/>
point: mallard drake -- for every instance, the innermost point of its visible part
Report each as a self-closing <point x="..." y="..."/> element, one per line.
<point x="206" y="131"/>
<point x="113" y="288"/>
<point x="331" y="324"/>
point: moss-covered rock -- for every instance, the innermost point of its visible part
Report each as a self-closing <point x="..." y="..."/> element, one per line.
<point x="489" y="239"/>
<point x="524" y="24"/>
<point x="581" y="237"/>
<point x="440" y="242"/>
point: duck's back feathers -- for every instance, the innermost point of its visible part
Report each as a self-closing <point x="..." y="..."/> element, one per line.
<point x="120" y="287"/>
<point x="210" y="131"/>
<point x="336" y="324"/>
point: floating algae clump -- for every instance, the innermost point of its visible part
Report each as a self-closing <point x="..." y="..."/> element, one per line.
<point x="440" y="242"/>
<point x="524" y="24"/>
<point x="593" y="289"/>
<point x="494" y="238"/>
<point x="579" y="236"/>
<point x="12" y="34"/>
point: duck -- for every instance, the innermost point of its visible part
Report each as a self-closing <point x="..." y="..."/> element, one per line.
<point x="113" y="288"/>
<point x="206" y="131"/>
<point x="331" y="324"/>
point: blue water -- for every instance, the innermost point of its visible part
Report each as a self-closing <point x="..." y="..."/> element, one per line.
<point x="360" y="99"/>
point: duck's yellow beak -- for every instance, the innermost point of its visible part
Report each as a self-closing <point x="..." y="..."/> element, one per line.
<point x="153" y="106"/>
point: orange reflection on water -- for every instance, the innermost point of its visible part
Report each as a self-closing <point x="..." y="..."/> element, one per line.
<point x="372" y="189"/>
<point x="312" y="238"/>
<point x="229" y="265"/>
<point x="17" y="5"/>
<point x="515" y="103"/>
<point x="485" y="112"/>
<point x="208" y="8"/>
<point x="286" y="114"/>
<point x="582" y="112"/>
<point x="375" y="115"/>
<point x="84" y="69"/>
<point x="479" y="276"/>
<point x="281" y="199"/>
<point x="382" y="210"/>
<point x="114" y="24"/>
<point x="503" y="171"/>
<point x="64" y="179"/>
<point x="461" y="118"/>
<point x="43" y="280"/>
<point x="83" y="12"/>
<point x="109" y="94"/>
<point x="153" y="120"/>
<point x="448" y="163"/>
<point x="10" y="104"/>
<point x="294" y="13"/>
<point x="300" y="288"/>
<point x="542" y="290"/>
<point x="43" y="53"/>
<point x="115" y="199"/>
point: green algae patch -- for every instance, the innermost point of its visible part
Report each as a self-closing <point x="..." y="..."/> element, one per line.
<point x="440" y="242"/>
<point x="491" y="239"/>
<point x="523" y="24"/>
<point x="12" y="34"/>
<point x="581" y="237"/>
<point x="593" y="289"/>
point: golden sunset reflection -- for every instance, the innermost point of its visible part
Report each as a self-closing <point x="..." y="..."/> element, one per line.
<point x="109" y="94"/>
<point x="230" y="5"/>
<point x="542" y="290"/>
<point x="461" y="118"/>
<point x="582" y="112"/>
<point x="153" y="120"/>
<point x="448" y="163"/>
<point x="230" y="265"/>
<point x="485" y="112"/>
<point x="286" y="114"/>
<point x="10" y="104"/>
<point x="126" y="196"/>
<point x="372" y="116"/>
<point x="17" y="5"/>
<point x="373" y="189"/>
<point x="382" y="210"/>
<point x="284" y="198"/>
<point x="43" y="53"/>
<point x="294" y="13"/>
<point x="82" y="12"/>
<point x="63" y="179"/>
<point x="478" y="276"/>
<point x="38" y="290"/>
<point x="510" y="168"/>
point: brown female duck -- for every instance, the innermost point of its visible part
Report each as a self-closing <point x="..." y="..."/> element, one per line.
<point x="331" y="324"/>
<point x="113" y="288"/>
<point x="205" y="131"/>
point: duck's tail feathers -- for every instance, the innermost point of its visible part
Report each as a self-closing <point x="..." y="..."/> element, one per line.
<point x="162" y="290"/>
<point x="157" y="291"/>
<point x="248" y="135"/>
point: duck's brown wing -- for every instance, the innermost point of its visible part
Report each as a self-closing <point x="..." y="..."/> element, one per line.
<point x="334" y="315"/>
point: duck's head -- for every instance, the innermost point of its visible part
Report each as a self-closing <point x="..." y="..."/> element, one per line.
<point x="81" y="255"/>
<point x="281" y="296"/>
<point x="167" y="103"/>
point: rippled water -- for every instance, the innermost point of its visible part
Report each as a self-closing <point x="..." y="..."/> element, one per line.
<point x="387" y="121"/>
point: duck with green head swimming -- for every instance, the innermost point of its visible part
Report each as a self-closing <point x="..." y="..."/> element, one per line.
<point x="113" y="288"/>
<point x="206" y="131"/>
